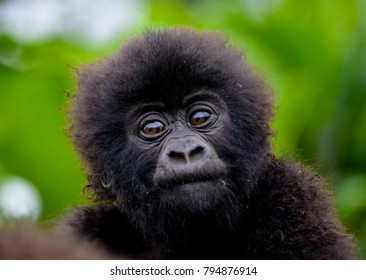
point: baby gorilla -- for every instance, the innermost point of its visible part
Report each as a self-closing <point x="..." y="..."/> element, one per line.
<point x="173" y="130"/>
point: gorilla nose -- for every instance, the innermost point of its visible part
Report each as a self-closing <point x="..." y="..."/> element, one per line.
<point x="187" y="160"/>
<point x="186" y="154"/>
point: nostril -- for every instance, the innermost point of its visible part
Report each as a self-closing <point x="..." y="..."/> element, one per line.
<point x="177" y="157"/>
<point x="196" y="153"/>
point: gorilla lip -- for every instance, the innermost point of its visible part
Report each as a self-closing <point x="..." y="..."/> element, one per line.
<point x="190" y="180"/>
<point x="202" y="184"/>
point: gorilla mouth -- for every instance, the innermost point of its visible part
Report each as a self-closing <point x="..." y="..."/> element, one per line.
<point x="202" y="186"/>
<point x="193" y="180"/>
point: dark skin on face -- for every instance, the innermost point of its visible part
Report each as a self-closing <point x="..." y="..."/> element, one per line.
<point x="181" y="139"/>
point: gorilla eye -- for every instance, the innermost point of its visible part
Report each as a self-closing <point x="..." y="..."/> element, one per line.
<point x="153" y="128"/>
<point x="199" y="118"/>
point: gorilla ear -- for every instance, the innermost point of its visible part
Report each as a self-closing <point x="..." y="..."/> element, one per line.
<point x="107" y="185"/>
<point x="107" y="181"/>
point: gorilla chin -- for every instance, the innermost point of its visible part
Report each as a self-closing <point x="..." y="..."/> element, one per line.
<point x="197" y="196"/>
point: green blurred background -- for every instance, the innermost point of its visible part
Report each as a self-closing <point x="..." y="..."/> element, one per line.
<point x="313" y="53"/>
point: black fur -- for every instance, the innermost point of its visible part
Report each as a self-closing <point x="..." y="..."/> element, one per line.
<point x="270" y="209"/>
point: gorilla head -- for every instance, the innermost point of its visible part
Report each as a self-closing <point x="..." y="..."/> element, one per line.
<point x="173" y="131"/>
<point x="173" y="125"/>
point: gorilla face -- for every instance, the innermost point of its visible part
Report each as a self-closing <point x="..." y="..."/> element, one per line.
<point x="187" y="170"/>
